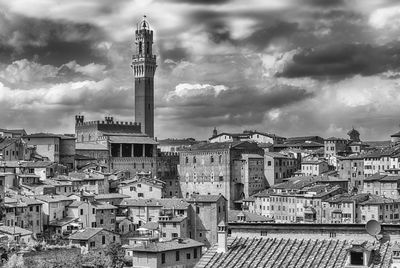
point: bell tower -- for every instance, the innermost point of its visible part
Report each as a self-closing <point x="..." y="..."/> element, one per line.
<point x="143" y="67"/>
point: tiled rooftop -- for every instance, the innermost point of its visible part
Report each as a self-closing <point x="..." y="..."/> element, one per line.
<point x="166" y="246"/>
<point x="52" y="198"/>
<point x="165" y="203"/>
<point x="287" y="253"/>
<point x="85" y="234"/>
<point x="111" y="196"/>
<point x="14" y="230"/>
<point x="249" y="217"/>
<point x="204" y="198"/>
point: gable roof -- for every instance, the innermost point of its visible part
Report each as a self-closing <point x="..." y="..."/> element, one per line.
<point x="205" y="198"/>
<point x="87" y="233"/>
<point x="280" y="252"/>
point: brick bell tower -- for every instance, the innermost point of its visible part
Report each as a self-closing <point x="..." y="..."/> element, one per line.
<point x="144" y="67"/>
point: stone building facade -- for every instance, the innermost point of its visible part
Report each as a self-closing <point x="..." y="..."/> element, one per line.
<point x="212" y="169"/>
<point x="128" y="148"/>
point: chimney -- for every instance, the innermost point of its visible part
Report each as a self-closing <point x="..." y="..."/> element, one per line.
<point x="222" y="237"/>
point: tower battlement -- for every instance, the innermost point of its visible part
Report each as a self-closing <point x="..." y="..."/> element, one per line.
<point x="107" y="125"/>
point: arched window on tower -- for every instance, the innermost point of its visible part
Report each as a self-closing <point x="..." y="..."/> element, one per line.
<point x="148" y="47"/>
<point x="140" y="47"/>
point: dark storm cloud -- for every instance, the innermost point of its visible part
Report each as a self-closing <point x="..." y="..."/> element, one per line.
<point x="201" y="2"/>
<point x="324" y="3"/>
<point x="234" y="106"/>
<point x="265" y="34"/>
<point x="175" y="53"/>
<point x="48" y="41"/>
<point x="338" y="60"/>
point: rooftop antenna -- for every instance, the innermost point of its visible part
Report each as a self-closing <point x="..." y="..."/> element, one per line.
<point x="374" y="228"/>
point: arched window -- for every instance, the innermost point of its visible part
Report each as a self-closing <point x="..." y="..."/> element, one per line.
<point x="220" y="159"/>
<point x="148" y="47"/>
<point x="212" y="159"/>
<point x="140" y="47"/>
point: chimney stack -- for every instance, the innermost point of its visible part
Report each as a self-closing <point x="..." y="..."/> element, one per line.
<point x="222" y="237"/>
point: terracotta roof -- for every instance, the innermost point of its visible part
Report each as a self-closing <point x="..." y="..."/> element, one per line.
<point x="85" y="234"/>
<point x="377" y="200"/>
<point x="53" y="198"/>
<point x="165" y="203"/>
<point x="111" y="196"/>
<point x="103" y="205"/>
<point x="166" y="246"/>
<point x="150" y="225"/>
<point x="63" y="221"/>
<point x="205" y="198"/>
<point x="276" y="155"/>
<point x="5" y="142"/>
<point x="176" y="142"/>
<point x="249" y="217"/>
<point x="280" y="252"/>
<point x="90" y="146"/>
<point x="14" y="230"/>
<point x="76" y="204"/>
<point x="132" y="139"/>
<point x="21" y="199"/>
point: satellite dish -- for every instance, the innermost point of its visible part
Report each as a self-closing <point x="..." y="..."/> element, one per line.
<point x="373" y="228"/>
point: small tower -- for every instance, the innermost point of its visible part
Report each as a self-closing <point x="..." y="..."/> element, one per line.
<point x="144" y="67"/>
<point x="79" y="119"/>
<point x="222" y="237"/>
<point x="109" y="119"/>
<point x="215" y="132"/>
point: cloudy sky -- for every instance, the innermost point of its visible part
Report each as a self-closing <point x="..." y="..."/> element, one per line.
<point x="290" y="67"/>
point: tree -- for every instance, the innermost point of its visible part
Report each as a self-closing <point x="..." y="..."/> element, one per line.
<point x="16" y="261"/>
<point x="116" y="256"/>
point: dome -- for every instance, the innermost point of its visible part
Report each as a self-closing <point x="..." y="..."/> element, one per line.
<point x="353" y="132"/>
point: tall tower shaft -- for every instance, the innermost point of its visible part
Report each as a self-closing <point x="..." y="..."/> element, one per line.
<point x="144" y="67"/>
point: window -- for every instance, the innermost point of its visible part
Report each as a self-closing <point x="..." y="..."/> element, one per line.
<point x="174" y="224"/>
<point x="162" y="257"/>
<point x="150" y="189"/>
<point x="140" y="195"/>
<point x="177" y="255"/>
<point x="81" y="211"/>
<point x="195" y="253"/>
<point x="103" y="239"/>
<point x="356" y="258"/>
<point x="174" y="235"/>
<point x="93" y="211"/>
<point x="92" y="244"/>
<point x="139" y="185"/>
<point x="197" y="210"/>
<point x="188" y="256"/>
<point x="194" y="159"/>
<point x="212" y="159"/>
<point x="101" y="221"/>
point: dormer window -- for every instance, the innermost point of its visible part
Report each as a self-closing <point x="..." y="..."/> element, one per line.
<point x="356" y="258"/>
<point x="360" y="254"/>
